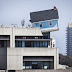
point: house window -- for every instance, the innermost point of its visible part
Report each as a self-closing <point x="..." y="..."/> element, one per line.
<point x="40" y="24"/>
<point x="36" y="25"/>
<point x="50" y="23"/>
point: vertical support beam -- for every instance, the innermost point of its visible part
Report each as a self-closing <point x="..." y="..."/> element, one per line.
<point x="55" y="62"/>
<point x="10" y="41"/>
<point x="57" y="57"/>
<point x="13" y="37"/>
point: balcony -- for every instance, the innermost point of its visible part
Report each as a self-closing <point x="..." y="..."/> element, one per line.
<point x="33" y="41"/>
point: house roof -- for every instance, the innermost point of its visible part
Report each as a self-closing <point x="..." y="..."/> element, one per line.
<point x="44" y="15"/>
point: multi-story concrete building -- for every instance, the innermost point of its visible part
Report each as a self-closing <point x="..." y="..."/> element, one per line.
<point x="69" y="40"/>
<point x="30" y="48"/>
<point x="26" y="49"/>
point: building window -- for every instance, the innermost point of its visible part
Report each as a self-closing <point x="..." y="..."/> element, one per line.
<point x="50" y="23"/>
<point x="18" y="43"/>
<point x="28" y="65"/>
<point x="37" y="43"/>
<point x="46" y="44"/>
<point x="41" y="44"/>
<point x="40" y="24"/>
<point x="36" y="65"/>
<point x="53" y="45"/>
<point x="46" y="65"/>
<point x="31" y="43"/>
<point x="36" y="25"/>
<point x="4" y="43"/>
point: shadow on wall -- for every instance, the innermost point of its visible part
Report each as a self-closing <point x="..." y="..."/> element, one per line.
<point x="3" y="58"/>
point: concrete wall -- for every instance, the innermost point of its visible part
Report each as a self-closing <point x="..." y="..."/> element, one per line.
<point x="38" y="70"/>
<point x="45" y="71"/>
<point x="25" y="32"/>
<point x="70" y="70"/>
<point x="19" y="32"/>
<point x="3" y="51"/>
<point x="2" y="70"/>
<point x="6" y="31"/>
<point x="15" y="56"/>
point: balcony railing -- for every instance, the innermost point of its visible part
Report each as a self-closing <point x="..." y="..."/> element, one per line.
<point x="33" y="39"/>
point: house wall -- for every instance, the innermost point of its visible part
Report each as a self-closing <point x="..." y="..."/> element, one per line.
<point x="46" y="24"/>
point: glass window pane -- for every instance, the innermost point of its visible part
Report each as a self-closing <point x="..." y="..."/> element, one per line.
<point x="45" y="24"/>
<point x="27" y="63"/>
<point x="46" y="65"/>
<point x="23" y="44"/>
<point x="38" y="44"/>
<point x="36" y="25"/>
<point x="55" y="23"/>
<point x="40" y="65"/>
<point x="27" y="67"/>
<point x="19" y="43"/>
<point x="16" y="43"/>
<point x="45" y="43"/>
<point x="35" y="44"/>
<point x="53" y="45"/>
<point x="32" y="44"/>
<point x="34" y="62"/>
<point x="23" y="63"/>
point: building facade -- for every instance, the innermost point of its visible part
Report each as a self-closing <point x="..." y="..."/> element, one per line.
<point x="30" y="48"/>
<point x="69" y="40"/>
<point x="26" y="49"/>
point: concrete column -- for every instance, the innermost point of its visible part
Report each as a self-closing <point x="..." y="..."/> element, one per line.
<point x="57" y="53"/>
<point x="13" y="37"/>
<point x="56" y="59"/>
<point x="10" y="41"/>
<point x="13" y="41"/>
<point x="55" y="62"/>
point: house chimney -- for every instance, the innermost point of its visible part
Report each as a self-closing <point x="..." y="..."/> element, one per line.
<point x="55" y="8"/>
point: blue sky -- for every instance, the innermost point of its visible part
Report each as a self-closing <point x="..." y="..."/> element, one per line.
<point x="13" y="11"/>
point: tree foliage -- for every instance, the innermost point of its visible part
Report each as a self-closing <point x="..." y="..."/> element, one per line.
<point x="65" y="60"/>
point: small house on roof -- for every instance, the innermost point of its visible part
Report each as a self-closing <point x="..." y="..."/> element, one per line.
<point x="46" y="20"/>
